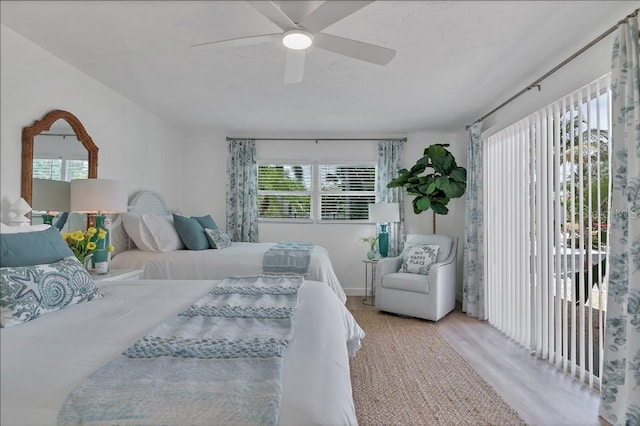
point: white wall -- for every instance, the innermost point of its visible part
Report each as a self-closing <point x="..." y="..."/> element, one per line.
<point x="591" y="65"/>
<point x="205" y="168"/>
<point x="135" y="145"/>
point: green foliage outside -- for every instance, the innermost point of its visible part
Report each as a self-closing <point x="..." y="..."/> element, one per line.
<point x="276" y="178"/>
<point x="586" y="182"/>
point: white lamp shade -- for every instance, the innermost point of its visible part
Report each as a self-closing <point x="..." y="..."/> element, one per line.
<point x="98" y="196"/>
<point x="51" y="195"/>
<point x="384" y="212"/>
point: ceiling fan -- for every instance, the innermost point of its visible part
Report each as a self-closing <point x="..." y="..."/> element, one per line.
<point x="301" y="30"/>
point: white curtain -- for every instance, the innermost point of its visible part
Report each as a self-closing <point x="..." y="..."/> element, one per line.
<point x="242" y="191"/>
<point x="473" y="277"/>
<point x="389" y="162"/>
<point x="620" y="389"/>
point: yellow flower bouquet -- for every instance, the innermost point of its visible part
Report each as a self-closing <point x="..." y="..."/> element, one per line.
<point x="84" y="244"/>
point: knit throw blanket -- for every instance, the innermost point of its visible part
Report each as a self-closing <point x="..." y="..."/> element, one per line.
<point x="288" y="257"/>
<point x="218" y="362"/>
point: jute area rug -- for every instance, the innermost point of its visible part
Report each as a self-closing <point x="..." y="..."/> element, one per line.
<point x="406" y="373"/>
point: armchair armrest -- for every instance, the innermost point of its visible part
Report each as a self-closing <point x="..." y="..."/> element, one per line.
<point x="445" y="271"/>
<point x="387" y="265"/>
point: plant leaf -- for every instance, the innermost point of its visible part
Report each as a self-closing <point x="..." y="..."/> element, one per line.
<point x="436" y="150"/>
<point x="459" y="174"/>
<point x="439" y="208"/>
<point x="422" y="204"/>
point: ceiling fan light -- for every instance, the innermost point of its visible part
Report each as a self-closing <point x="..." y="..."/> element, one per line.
<point x="297" y="39"/>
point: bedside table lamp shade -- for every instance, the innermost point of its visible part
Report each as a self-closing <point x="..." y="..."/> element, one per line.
<point x="383" y="213"/>
<point x="51" y="196"/>
<point x="97" y="197"/>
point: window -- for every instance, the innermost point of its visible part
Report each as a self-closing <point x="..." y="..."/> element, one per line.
<point x="346" y="191"/>
<point x="284" y="191"/>
<point x="316" y="192"/>
<point x="59" y="169"/>
<point x="547" y="193"/>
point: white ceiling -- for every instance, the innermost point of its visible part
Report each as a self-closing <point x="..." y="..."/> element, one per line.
<point x="455" y="60"/>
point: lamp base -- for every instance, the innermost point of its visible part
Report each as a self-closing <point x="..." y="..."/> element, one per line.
<point x="383" y="244"/>
<point x="47" y="219"/>
<point x="100" y="258"/>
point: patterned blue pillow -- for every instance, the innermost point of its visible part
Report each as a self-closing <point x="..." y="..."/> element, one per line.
<point x="217" y="238"/>
<point x="418" y="258"/>
<point x="27" y="292"/>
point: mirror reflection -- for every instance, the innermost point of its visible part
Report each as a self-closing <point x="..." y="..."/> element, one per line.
<point x="56" y="150"/>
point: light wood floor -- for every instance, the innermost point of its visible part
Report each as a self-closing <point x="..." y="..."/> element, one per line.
<point x="539" y="392"/>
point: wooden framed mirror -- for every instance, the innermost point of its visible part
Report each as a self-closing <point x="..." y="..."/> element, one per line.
<point x="39" y="126"/>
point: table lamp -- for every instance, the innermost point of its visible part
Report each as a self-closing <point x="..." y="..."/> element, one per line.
<point x="98" y="197"/>
<point x="51" y="197"/>
<point x="383" y="213"/>
<point x="17" y="211"/>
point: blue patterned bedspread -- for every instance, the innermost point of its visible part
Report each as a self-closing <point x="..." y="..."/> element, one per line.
<point x="218" y="362"/>
<point x="288" y="257"/>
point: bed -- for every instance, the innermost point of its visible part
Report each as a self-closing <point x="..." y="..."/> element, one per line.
<point x="239" y="258"/>
<point x="45" y="358"/>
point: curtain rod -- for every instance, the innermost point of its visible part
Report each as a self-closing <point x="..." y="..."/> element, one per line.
<point x="556" y="68"/>
<point x="320" y="139"/>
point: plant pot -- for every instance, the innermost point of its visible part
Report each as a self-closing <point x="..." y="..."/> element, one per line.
<point x="371" y="255"/>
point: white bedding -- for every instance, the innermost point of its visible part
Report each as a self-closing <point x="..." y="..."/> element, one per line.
<point x="43" y="360"/>
<point x="238" y="259"/>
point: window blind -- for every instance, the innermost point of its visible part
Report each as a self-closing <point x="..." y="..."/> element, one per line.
<point x="547" y="186"/>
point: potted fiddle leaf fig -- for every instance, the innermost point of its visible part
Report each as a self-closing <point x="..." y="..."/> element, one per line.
<point x="434" y="180"/>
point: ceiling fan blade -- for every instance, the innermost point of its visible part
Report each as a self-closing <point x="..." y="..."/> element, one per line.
<point x="273" y="13"/>
<point x="354" y="49"/>
<point x="329" y="13"/>
<point x="294" y="66"/>
<point x="243" y="41"/>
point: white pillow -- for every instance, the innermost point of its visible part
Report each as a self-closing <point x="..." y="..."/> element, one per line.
<point x="152" y="232"/>
<point x="6" y="229"/>
<point x="417" y="259"/>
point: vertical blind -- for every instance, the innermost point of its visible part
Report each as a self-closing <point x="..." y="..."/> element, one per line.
<point x="547" y="198"/>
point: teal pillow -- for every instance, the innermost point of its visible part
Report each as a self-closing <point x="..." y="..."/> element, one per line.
<point x="206" y="221"/>
<point x="191" y="233"/>
<point x="33" y="248"/>
<point x="27" y="292"/>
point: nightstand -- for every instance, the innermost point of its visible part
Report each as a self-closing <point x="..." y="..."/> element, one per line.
<point x="118" y="275"/>
<point x="369" y="264"/>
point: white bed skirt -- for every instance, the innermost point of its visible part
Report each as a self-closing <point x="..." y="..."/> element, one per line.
<point x="238" y="259"/>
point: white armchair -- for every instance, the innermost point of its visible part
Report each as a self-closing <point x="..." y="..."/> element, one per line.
<point x="430" y="296"/>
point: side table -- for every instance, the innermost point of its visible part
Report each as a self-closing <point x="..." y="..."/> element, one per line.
<point x="369" y="264"/>
<point x="118" y="275"/>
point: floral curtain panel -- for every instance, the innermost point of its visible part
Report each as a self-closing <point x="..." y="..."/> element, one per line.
<point x="389" y="162"/>
<point x="242" y="191"/>
<point x="620" y="388"/>
<point x="473" y="274"/>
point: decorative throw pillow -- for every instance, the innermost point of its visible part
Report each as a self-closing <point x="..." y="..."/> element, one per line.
<point x="32" y="248"/>
<point x="217" y="238"/>
<point x="417" y="259"/>
<point x="28" y="292"/>
<point x="191" y="233"/>
<point x="206" y="222"/>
